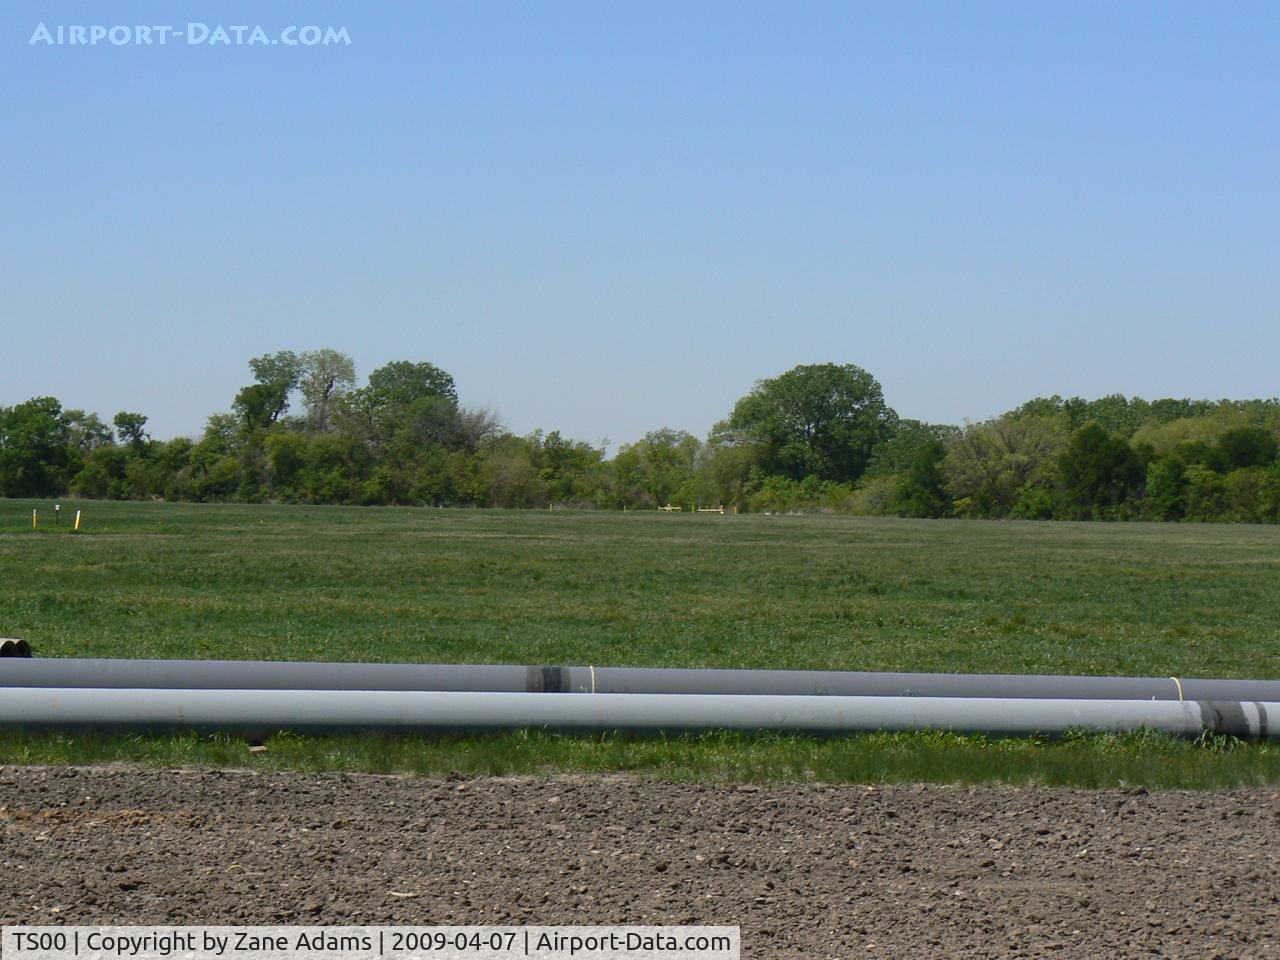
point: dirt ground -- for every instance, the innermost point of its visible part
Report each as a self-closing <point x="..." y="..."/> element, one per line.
<point x="806" y="871"/>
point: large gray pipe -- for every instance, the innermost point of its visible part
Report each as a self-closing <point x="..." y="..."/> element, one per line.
<point x="261" y="712"/>
<point x="277" y="675"/>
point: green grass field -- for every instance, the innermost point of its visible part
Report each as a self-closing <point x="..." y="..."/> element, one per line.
<point x="649" y="589"/>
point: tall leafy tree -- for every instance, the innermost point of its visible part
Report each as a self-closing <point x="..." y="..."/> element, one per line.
<point x="325" y="377"/>
<point x="1166" y="489"/>
<point x="822" y="420"/>
<point x="667" y="461"/>
<point x="131" y="429"/>
<point x="1245" y="447"/>
<point x="992" y="467"/>
<point x="402" y="382"/>
<point x="396" y="393"/>
<point x="86" y="431"/>
<point x="263" y="403"/>
<point x="1098" y="470"/>
<point x="899" y="452"/>
<point x="36" y="457"/>
<point x="922" y="490"/>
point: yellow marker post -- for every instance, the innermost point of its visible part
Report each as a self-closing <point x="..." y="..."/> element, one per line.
<point x="35" y="520"/>
<point x="77" y="520"/>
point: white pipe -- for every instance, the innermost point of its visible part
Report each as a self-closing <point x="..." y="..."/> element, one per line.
<point x="286" y="675"/>
<point x="266" y="711"/>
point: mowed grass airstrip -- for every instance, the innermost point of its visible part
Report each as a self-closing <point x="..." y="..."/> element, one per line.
<point x="653" y="589"/>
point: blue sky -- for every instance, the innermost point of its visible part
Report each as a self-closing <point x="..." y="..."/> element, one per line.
<point x="608" y="218"/>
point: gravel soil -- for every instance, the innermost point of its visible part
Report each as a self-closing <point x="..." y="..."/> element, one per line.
<point x="806" y="871"/>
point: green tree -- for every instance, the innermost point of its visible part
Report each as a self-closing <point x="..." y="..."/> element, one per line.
<point x="1245" y="447"/>
<point x="725" y="470"/>
<point x="130" y="428"/>
<point x="402" y="382"/>
<point x="1206" y="494"/>
<point x="336" y="469"/>
<point x="36" y="458"/>
<point x="899" y="451"/>
<point x="254" y="405"/>
<point x="822" y="420"/>
<point x="93" y="481"/>
<point x="627" y="486"/>
<point x="171" y="459"/>
<point x="476" y="429"/>
<point x="569" y="470"/>
<point x="376" y="412"/>
<point x="1166" y="489"/>
<point x="922" y="490"/>
<point x="668" y="458"/>
<point x="263" y="402"/>
<point x="325" y="377"/>
<point x="86" y="431"/>
<point x="511" y="476"/>
<point x="286" y="454"/>
<point x="430" y="421"/>
<point x="1098" y="471"/>
<point x="661" y="467"/>
<point x="991" y="467"/>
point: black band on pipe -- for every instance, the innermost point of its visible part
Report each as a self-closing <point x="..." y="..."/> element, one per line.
<point x="1262" y="720"/>
<point x="548" y="680"/>
<point x="1225" y="717"/>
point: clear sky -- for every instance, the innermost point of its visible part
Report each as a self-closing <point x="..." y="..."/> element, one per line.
<point x="611" y="217"/>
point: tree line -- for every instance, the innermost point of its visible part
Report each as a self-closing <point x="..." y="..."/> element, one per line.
<point x="817" y="438"/>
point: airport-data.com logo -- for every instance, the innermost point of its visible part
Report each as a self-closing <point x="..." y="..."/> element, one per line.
<point x="188" y="34"/>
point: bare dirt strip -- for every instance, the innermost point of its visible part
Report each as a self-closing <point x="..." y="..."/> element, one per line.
<point x="806" y="871"/>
